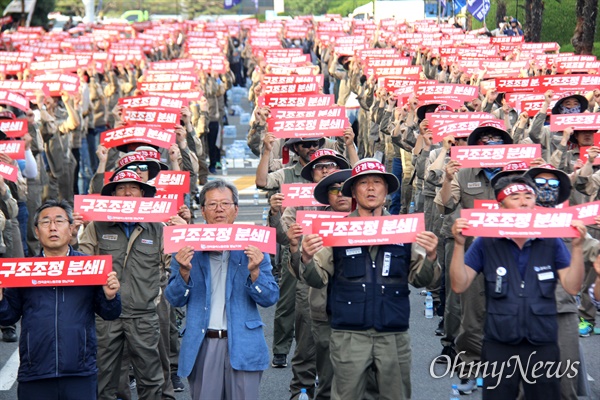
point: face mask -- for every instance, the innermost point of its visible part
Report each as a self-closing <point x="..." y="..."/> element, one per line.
<point x="574" y="110"/>
<point x="297" y="42"/>
<point x="491" y="142"/>
<point x="547" y="197"/>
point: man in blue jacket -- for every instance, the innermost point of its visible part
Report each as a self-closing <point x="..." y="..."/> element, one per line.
<point x="223" y="351"/>
<point x="57" y="347"/>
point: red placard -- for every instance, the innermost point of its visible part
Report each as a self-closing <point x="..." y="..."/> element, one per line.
<point x="193" y="95"/>
<point x="292" y="79"/>
<point x="586" y="213"/>
<point x="14" y="99"/>
<point x="305" y="70"/>
<point x="583" y="155"/>
<point x="486" y="204"/>
<point x="307" y="112"/>
<point x="305" y="218"/>
<point x="570" y="83"/>
<point x="9" y="172"/>
<point x="219" y="237"/>
<point x="164" y="119"/>
<point x="149" y="102"/>
<point x="454" y="95"/>
<point x="494" y="156"/>
<point x="413" y="71"/>
<point x="124" y="209"/>
<point x="14" y="128"/>
<point x="377" y="62"/>
<point x="294" y="60"/>
<point x="369" y="231"/>
<point x="137" y="134"/>
<point x="55" y="271"/>
<point x="173" y="65"/>
<point x="583" y="121"/>
<point x="299" y="195"/>
<point x="576" y="66"/>
<point x="538" y="223"/>
<point x="291" y="101"/>
<point x="15" y="149"/>
<point x="293" y="88"/>
<point x="300" y="127"/>
<point x="165" y="86"/>
<point x="172" y="182"/>
<point x="457" y="124"/>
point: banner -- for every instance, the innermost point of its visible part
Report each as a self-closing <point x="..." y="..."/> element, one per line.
<point x="14" y="128"/>
<point x="308" y="128"/>
<point x="586" y="213"/>
<point x="151" y="118"/>
<point x="307" y="112"/>
<point x="494" y="156"/>
<point x="137" y="134"/>
<point x="539" y="223"/>
<point x="292" y="101"/>
<point x="455" y="95"/>
<point x="124" y="209"/>
<point x="305" y="218"/>
<point x="219" y="237"/>
<point x="9" y="172"/>
<point x="294" y="88"/>
<point x="299" y="195"/>
<point x="165" y="86"/>
<point x="15" y="149"/>
<point x="457" y="124"/>
<point x="55" y="271"/>
<point x="14" y="99"/>
<point x="172" y="182"/>
<point x="149" y="102"/>
<point x="369" y="231"/>
<point x="583" y="121"/>
<point x="293" y="79"/>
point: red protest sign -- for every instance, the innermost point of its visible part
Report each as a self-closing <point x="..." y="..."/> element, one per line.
<point x="457" y="124"/>
<point x="586" y="213"/>
<point x="293" y="79"/>
<point x="294" y="88"/>
<point x="149" y="102"/>
<point x="369" y="231"/>
<point x="583" y="153"/>
<point x="165" y="86"/>
<point x="305" y="218"/>
<point x="14" y="99"/>
<point x="494" y="156"/>
<point x="413" y="71"/>
<point x="583" y="121"/>
<point x="219" y="237"/>
<point x="292" y="101"/>
<point x="179" y="198"/>
<point x="307" y="112"/>
<point x="377" y="62"/>
<point x="507" y="85"/>
<point x="539" y="223"/>
<point x="137" y="134"/>
<point x="293" y="60"/>
<point x="55" y="271"/>
<point x="317" y="127"/>
<point x="172" y="182"/>
<point x="164" y="119"/>
<point x="486" y="204"/>
<point x="192" y="95"/>
<point x="299" y="195"/>
<point x="124" y="209"/>
<point x="173" y="65"/>
<point x="9" y="172"/>
<point x="305" y="70"/>
<point x="14" y="128"/>
<point x="15" y="149"/>
<point x="569" y="83"/>
<point x="454" y="95"/>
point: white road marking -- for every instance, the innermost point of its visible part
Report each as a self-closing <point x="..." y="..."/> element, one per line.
<point x="8" y="373"/>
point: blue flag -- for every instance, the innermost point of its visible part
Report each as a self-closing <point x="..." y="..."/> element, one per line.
<point x="478" y="8"/>
<point x="227" y="4"/>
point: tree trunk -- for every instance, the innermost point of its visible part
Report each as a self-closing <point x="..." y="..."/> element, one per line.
<point x="534" y="9"/>
<point x="500" y="12"/>
<point x="583" y="37"/>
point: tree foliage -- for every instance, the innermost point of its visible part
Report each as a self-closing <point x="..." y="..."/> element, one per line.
<point x="40" y="14"/>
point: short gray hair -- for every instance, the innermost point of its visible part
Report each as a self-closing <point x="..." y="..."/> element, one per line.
<point x="218" y="184"/>
<point x="54" y="203"/>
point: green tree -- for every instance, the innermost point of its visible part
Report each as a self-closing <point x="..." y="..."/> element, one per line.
<point x="40" y="14"/>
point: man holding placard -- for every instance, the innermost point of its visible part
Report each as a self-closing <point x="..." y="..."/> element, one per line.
<point x="520" y="276"/>
<point x="371" y="277"/>
<point x="58" y="333"/>
<point x="223" y="352"/>
<point x="138" y="256"/>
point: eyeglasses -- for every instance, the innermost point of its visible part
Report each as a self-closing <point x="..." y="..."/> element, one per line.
<point x="553" y="183"/>
<point x="308" y="145"/>
<point x="136" y="167"/>
<point x="225" y="205"/>
<point x="335" y="190"/>
<point x="325" y="166"/>
<point x="59" y="222"/>
<point x="487" y="138"/>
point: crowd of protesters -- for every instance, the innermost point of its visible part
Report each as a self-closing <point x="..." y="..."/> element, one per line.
<point x="347" y="308"/>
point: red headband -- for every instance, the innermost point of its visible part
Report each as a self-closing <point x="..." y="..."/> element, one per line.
<point x="512" y="189"/>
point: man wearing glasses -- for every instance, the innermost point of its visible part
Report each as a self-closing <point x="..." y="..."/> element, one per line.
<point x="58" y="333"/>
<point x="223" y="352"/>
<point x="140" y="262"/>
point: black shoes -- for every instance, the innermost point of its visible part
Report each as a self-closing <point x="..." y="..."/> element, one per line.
<point x="9" y="335"/>
<point x="279" y="361"/>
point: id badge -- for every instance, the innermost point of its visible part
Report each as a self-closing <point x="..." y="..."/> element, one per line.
<point x="387" y="259"/>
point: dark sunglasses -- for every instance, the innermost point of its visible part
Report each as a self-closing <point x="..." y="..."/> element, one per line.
<point x="553" y="183"/>
<point x="137" y="167"/>
<point x="335" y="190"/>
<point x="308" y="145"/>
